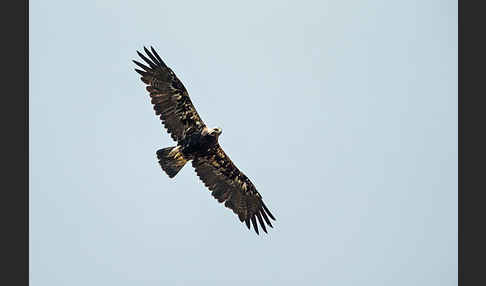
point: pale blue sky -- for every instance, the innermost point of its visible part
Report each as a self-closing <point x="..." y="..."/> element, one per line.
<point x="342" y="113"/>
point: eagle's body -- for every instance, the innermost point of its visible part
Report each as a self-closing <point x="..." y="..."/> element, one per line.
<point x="199" y="144"/>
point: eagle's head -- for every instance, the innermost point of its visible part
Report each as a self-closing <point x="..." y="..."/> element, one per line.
<point x="215" y="132"/>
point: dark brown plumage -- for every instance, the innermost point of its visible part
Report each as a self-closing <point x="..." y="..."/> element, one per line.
<point x="196" y="142"/>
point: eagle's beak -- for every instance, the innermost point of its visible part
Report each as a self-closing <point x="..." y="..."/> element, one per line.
<point x="216" y="131"/>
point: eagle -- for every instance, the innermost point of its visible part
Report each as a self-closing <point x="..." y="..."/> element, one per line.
<point x="199" y="144"/>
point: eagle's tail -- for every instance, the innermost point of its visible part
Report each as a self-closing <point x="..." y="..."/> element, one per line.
<point x="171" y="160"/>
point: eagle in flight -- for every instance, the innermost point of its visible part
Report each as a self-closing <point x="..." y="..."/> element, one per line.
<point x="199" y="144"/>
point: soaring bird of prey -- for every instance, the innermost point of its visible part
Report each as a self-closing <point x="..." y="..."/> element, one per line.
<point x="199" y="144"/>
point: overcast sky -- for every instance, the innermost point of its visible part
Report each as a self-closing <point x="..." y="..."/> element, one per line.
<point x="342" y="113"/>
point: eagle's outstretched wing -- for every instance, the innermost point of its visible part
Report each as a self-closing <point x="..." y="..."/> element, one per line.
<point x="169" y="97"/>
<point x="230" y="185"/>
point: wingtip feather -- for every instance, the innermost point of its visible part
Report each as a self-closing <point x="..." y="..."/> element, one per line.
<point x="260" y="220"/>
<point x="154" y="59"/>
<point x="268" y="212"/>
<point x="265" y="217"/>
<point x="149" y="62"/>
<point x="157" y="56"/>
<point x="142" y="73"/>
<point x="146" y="68"/>
<point x="247" y="222"/>
<point x="255" y="225"/>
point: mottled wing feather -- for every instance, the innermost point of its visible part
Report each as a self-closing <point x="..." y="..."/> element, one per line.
<point x="229" y="185"/>
<point x="169" y="96"/>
